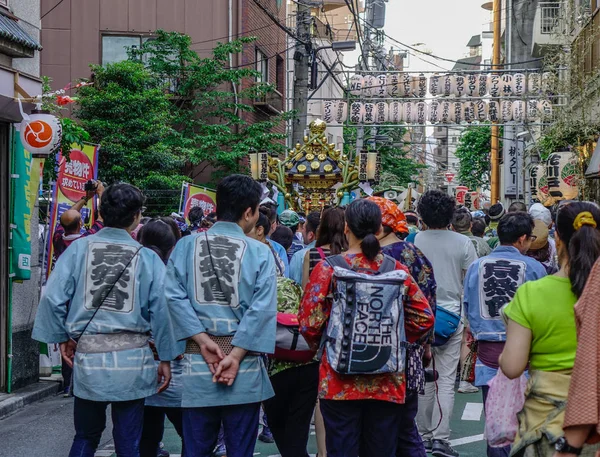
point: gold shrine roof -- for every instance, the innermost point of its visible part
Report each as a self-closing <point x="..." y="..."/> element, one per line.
<point x="315" y="159"/>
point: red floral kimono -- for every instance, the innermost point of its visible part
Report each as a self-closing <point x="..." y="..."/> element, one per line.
<point x="314" y="315"/>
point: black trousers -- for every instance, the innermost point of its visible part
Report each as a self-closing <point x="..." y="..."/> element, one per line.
<point x="154" y="428"/>
<point x="289" y="413"/>
<point x="366" y="427"/>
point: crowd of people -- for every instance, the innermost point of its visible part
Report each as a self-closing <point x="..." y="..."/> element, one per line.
<point x="359" y="319"/>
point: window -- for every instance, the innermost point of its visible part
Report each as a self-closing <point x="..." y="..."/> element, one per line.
<point x="261" y="66"/>
<point x="114" y="47"/>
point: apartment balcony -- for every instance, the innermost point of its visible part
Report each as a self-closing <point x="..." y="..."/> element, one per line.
<point x="329" y="5"/>
<point x="270" y="103"/>
<point x="549" y="27"/>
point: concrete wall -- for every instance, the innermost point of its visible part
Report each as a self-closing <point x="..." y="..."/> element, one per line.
<point x="522" y="33"/>
<point x="28" y="12"/>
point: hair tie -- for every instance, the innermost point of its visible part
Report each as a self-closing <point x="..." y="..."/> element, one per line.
<point x="584" y="218"/>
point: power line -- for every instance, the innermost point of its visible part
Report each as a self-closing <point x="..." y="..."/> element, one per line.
<point x="51" y="9"/>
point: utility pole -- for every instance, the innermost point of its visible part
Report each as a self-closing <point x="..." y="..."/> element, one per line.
<point x="495" y="162"/>
<point x="301" y="68"/>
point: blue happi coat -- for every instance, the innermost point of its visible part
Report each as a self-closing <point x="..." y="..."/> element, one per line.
<point x="241" y="302"/>
<point x="136" y="304"/>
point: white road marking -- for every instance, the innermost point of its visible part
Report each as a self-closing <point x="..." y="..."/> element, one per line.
<point x="466" y="440"/>
<point x="472" y="412"/>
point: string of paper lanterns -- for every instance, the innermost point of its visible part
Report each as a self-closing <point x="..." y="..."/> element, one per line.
<point x="442" y="111"/>
<point x="406" y="85"/>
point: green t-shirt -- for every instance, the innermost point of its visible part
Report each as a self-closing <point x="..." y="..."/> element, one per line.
<point x="545" y="307"/>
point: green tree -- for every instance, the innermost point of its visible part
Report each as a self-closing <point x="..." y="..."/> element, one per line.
<point x="473" y="152"/>
<point x="397" y="167"/>
<point x="208" y="114"/>
<point x="127" y="111"/>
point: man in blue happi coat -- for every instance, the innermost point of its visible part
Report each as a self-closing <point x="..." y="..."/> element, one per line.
<point x="115" y="291"/>
<point x="222" y="296"/>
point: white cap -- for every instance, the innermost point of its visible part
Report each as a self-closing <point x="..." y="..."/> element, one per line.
<point x="541" y="213"/>
<point x="267" y="201"/>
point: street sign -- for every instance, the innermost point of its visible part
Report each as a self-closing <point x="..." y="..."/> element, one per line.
<point x="449" y="177"/>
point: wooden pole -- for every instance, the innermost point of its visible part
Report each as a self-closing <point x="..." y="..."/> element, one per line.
<point x="495" y="162"/>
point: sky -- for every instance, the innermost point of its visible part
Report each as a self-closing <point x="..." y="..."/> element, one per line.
<point x="444" y="26"/>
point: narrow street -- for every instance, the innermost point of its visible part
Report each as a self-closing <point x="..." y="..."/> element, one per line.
<point x="45" y="429"/>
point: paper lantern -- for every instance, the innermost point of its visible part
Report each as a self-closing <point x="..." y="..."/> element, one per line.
<point x="409" y="112"/>
<point x="482" y="85"/>
<point x="562" y="171"/>
<point x="449" y="85"/>
<point x="494" y="86"/>
<point x="469" y="112"/>
<point x="435" y="112"/>
<point x="534" y="83"/>
<point x="458" y="110"/>
<point x="446" y="112"/>
<point x="494" y="111"/>
<point x="393" y="85"/>
<point x="471" y="85"/>
<point x="519" y="84"/>
<point x="461" y="193"/>
<point x="341" y="112"/>
<point x="506" y="85"/>
<point x="369" y="113"/>
<point x="421" y="113"/>
<point x="41" y="133"/>
<point x="538" y="182"/>
<point x="356" y="85"/>
<point x="533" y="113"/>
<point x="381" y="89"/>
<point x="506" y="111"/>
<point x="481" y="110"/>
<point x="381" y="112"/>
<point x="405" y="85"/>
<point x="328" y="111"/>
<point x="435" y="82"/>
<point x="369" y="86"/>
<point x="395" y="113"/>
<point x="460" y="86"/>
<point x="356" y="112"/>
<point x="419" y="86"/>
<point x="475" y="200"/>
<point x="518" y="110"/>
<point x="545" y="109"/>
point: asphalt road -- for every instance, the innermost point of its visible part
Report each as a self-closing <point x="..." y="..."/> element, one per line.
<point x="45" y="429"/>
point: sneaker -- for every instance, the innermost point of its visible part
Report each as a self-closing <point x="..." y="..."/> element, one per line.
<point x="443" y="449"/>
<point x="220" y="450"/>
<point x="163" y="453"/>
<point x="467" y="388"/>
<point x="428" y="446"/>
<point x="266" y="436"/>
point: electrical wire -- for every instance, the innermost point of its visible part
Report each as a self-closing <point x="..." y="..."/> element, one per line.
<point x="51" y="9"/>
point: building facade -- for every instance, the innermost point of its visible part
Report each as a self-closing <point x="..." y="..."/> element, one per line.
<point x="77" y="34"/>
<point x="19" y="78"/>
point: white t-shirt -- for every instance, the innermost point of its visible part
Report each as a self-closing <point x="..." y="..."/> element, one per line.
<point x="450" y="254"/>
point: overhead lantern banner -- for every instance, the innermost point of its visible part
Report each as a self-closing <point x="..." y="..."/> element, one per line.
<point x="197" y="196"/>
<point x="69" y="188"/>
<point x="20" y="214"/>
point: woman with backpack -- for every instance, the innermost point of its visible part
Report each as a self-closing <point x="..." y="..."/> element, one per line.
<point x="394" y="228"/>
<point x="362" y="411"/>
<point x="541" y="335"/>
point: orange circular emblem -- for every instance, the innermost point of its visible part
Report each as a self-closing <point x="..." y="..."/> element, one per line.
<point x="38" y="134"/>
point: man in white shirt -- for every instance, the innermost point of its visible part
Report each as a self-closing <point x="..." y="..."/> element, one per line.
<point x="451" y="254"/>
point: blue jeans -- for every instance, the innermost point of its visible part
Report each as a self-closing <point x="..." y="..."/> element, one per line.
<point x="494" y="451"/>
<point x="201" y="428"/>
<point x="154" y="428"/>
<point x="90" y="422"/>
<point x="410" y="443"/>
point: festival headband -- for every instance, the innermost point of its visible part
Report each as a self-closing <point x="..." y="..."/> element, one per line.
<point x="584" y="218"/>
